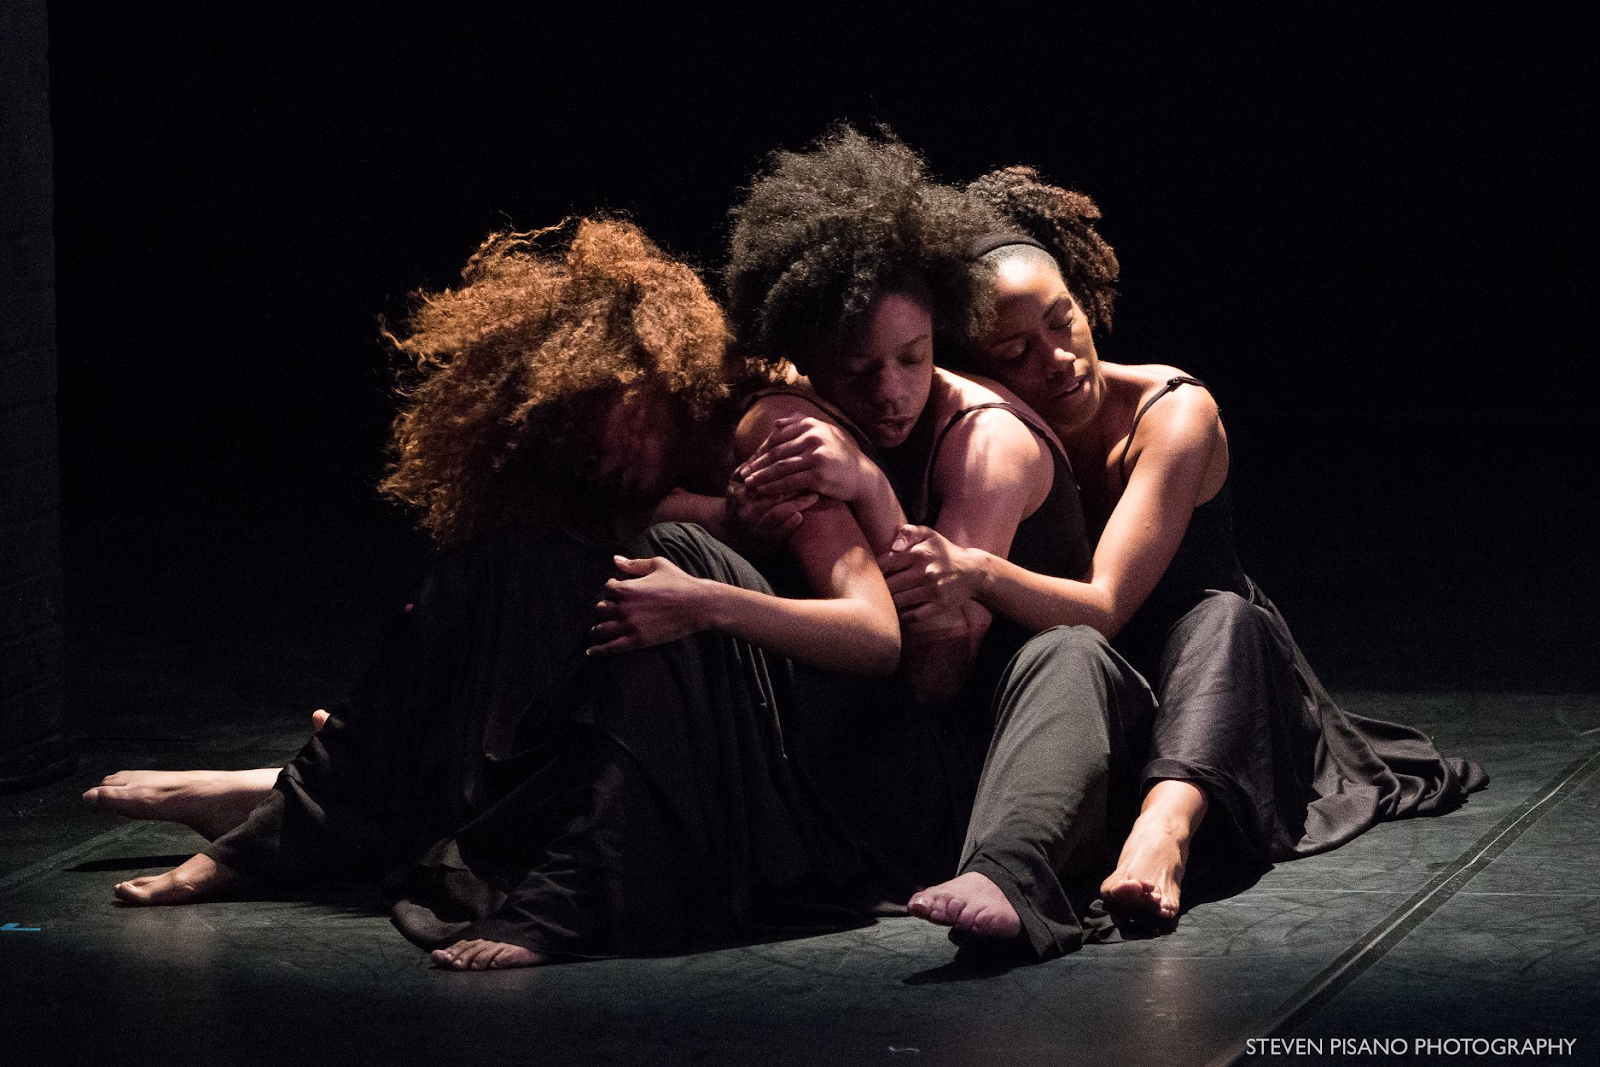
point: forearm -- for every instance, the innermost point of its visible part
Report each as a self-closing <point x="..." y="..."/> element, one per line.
<point x="876" y="508"/>
<point x="836" y="634"/>
<point x="936" y="663"/>
<point x="1039" y="601"/>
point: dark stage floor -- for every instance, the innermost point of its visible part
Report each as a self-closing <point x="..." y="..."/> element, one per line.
<point x="204" y="632"/>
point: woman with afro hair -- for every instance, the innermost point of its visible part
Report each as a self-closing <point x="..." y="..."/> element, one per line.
<point x="995" y="757"/>
<point x="1244" y="731"/>
<point x="524" y="785"/>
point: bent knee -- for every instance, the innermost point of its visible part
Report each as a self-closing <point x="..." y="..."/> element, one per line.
<point x="697" y="553"/>
<point x="1075" y="648"/>
<point x="1223" y="611"/>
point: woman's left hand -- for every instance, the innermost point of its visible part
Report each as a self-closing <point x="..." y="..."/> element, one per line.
<point x="805" y="455"/>
<point x="653" y="603"/>
<point x="927" y="573"/>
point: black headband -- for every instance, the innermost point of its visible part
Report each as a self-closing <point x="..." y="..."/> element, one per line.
<point x="1000" y="239"/>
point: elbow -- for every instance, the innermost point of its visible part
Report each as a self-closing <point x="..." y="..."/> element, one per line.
<point x="1111" y="619"/>
<point x="878" y="653"/>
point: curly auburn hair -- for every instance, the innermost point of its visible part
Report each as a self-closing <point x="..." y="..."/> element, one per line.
<point x="823" y="233"/>
<point x="515" y="371"/>
<point x="1062" y="221"/>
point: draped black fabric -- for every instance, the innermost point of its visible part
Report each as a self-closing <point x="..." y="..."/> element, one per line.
<point x="1289" y="771"/>
<point x="896" y="776"/>
<point x="502" y="785"/>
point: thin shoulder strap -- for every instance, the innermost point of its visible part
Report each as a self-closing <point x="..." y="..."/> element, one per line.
<point x="1172" y="383"/>
<point x="1028" y="419"/>
<point x="862" y="441"/>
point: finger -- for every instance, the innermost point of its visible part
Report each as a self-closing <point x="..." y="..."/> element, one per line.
<point x="622" y="644"/>
<point x="793" y="505"/>
<point x="801" y="481"/>
<point x="922" y="613"/>
<point x="910" y="598"/>
<point x="777" y="465"/>
<point x="909" y="535"/>
<point x="892" y="562"/>
<point x="777" y="525"/>
<point x="905" y="580"/>
<point x="634" y="567"/>
<point x="787" y="429"/>
<point x="607" y="609"/>
<point x="778" y="443"/>
<point x="602" y="632"/>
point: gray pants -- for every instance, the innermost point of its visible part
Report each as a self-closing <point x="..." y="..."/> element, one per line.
<point x="1072" y="722"/>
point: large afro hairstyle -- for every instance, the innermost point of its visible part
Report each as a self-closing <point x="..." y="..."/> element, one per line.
<point x="513" y="372"/>
<point x="825" y="232"/>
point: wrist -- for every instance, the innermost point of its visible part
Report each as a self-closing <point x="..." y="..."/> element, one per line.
<point x="974" y="566"/>
<point x="707" y="606"/>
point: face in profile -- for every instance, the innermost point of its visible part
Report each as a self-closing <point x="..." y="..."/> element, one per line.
<point x="638" y="445"/>
<point x="1041" y="347"/>
<point x="882" y="379"/>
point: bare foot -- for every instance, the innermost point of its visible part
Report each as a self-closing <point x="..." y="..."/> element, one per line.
<point x="969" y="903"/>
<point x="1150" y="870"/>
<point x="196" y="879"/>
<point x="485" y="956"/>
<point x="209" y="802"/>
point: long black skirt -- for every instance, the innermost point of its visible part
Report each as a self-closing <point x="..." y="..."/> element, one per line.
<point x="1289" y="772"/>
<point x="500" y="784"/>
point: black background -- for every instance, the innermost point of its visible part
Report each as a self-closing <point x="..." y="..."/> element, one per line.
<point x="1368" y="228"/>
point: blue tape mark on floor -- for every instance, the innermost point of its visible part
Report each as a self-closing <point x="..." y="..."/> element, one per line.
<point x="14" y="928"/>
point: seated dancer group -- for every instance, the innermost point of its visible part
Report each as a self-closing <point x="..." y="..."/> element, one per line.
<point x="600" y="731"/>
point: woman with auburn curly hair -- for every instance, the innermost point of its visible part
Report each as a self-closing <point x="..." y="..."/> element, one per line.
<point x="521" y="790"/>
<point x="1245" y="730"/>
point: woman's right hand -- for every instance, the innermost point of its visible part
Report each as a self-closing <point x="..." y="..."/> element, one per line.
<point x="803" y="454"/>
<point x="929" y="575"/>
<point x="653" y="603"/>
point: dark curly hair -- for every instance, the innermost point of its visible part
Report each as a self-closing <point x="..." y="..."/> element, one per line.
<point x="514" y="372"/>
<point x="823" y="233"/>
<point x="1062" y="221"/>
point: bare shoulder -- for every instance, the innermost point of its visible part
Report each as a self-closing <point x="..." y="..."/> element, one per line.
<point x="1183" y="422"/>
<point x="971" y="390"/>
<point x="767" y="409"/>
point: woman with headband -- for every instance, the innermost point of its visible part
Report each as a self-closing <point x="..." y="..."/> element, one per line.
<point x="1250" y="760"/>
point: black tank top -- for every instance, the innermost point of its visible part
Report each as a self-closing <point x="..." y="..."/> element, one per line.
<point x="1052" y="540"/>
<point x="1205" y="558"/>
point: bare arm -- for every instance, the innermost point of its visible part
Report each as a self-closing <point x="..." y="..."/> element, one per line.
<point x="851" y="626"/>
<point x="1180" y="436"/>
<point x="990" y="473"/>
<point x="811" y="455"/>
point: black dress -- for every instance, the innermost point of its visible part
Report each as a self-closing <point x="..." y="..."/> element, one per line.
<point x="500" y="784"/>
<point x="1289" y="772"/>
<point x="1020" y="774"/>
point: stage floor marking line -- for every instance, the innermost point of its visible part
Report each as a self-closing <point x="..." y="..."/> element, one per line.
<point x="1372" y="945"/>
<point x="54" y="863"/>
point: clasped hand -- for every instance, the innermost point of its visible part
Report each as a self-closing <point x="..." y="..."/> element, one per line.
<point x="802" y="460"/>
<point x="928" y="574"/>
<point x="654" y="602"/>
